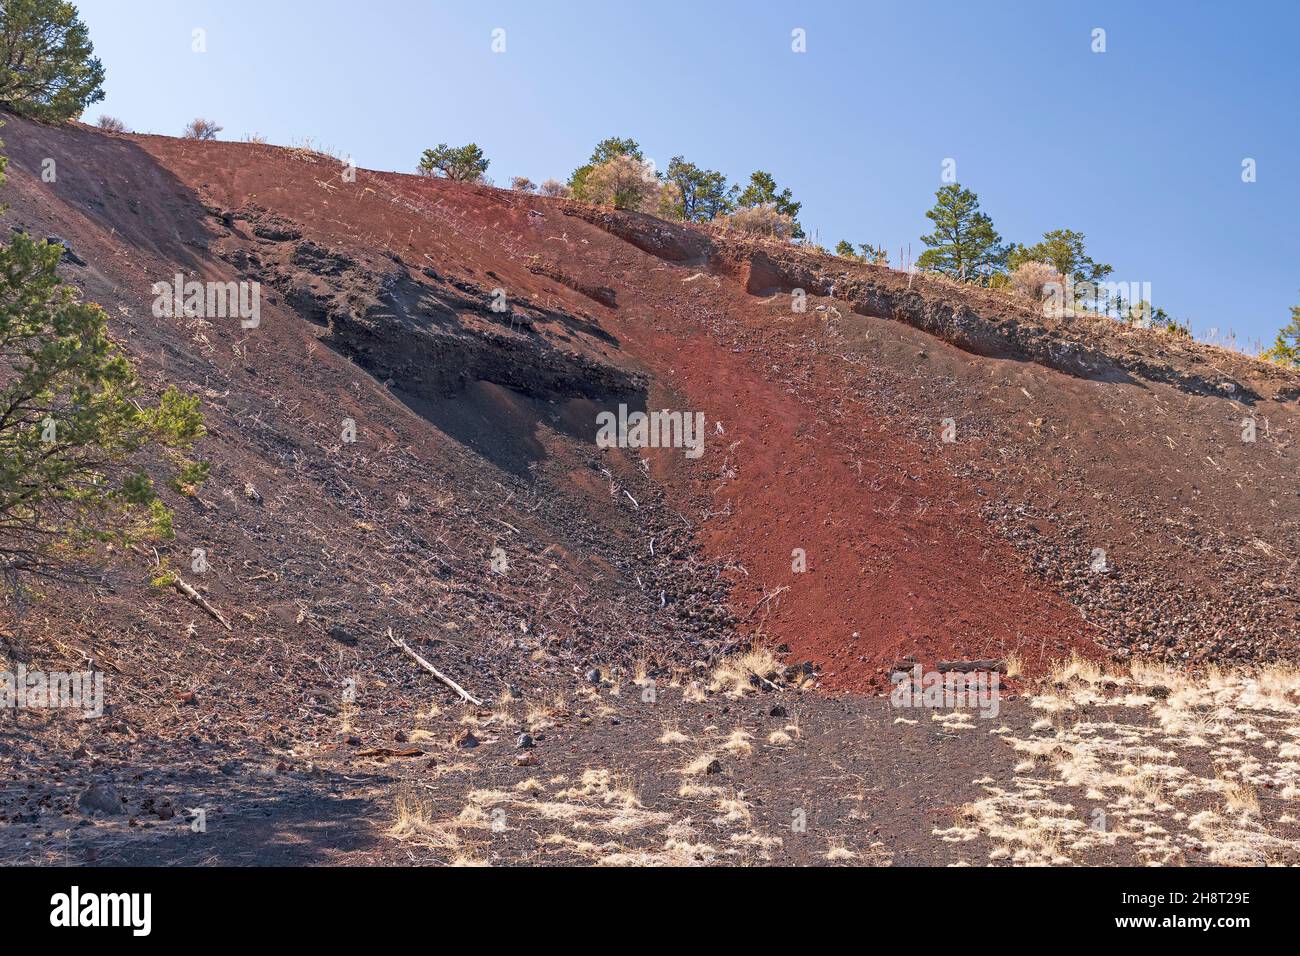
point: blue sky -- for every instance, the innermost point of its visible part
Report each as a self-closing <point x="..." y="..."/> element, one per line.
<point x="1139" y="147"/>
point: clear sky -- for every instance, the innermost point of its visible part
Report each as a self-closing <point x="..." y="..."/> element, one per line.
<point x="1139" y="147"/>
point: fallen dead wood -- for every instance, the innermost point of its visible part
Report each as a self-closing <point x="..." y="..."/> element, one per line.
<point x="464" y="694"/>
<point x="198" y="599"/>
<point x="765" y="598"/>
<point x="966" y="667"/>
<point x="390" y="752"/>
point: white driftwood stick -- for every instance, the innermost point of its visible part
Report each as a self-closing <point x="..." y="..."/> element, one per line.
<point x="199" y="599"/>
<point x="464" y="694"/>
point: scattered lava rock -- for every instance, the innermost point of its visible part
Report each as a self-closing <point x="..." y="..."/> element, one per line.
<point x="100" y="798"/>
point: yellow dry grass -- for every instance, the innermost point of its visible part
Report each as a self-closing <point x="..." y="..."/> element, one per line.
<point x="737" y="675"/>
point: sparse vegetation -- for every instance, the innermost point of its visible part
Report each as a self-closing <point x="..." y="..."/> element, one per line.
<point x="1145" y="797"/>
<point x="111" y="124"/>
<point x="1239" y="797"/>
<point x="839" y="853"/>
<point x="1013" y="664"/>
<point x="865" y="252"/>
<point x="738" y="743"/>
<point x="522" y="184"/>
<point x="672" y="735"/>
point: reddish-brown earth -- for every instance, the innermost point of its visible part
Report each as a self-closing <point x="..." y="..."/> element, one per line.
<point x="476" y="431"/>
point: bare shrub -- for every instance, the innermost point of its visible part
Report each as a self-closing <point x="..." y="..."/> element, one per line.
<point x="623" y="182"/>
<point x="760" y="220"/>
<point x="202" y="129"/>
<point x="1032" y="278"/>
<point x="556" y="189"/>
<point x="522" y="184"/>
<point x="111" y="124"/>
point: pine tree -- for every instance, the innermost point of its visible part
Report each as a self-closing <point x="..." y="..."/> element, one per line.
<point x="1286" y="348"/>
<point x="463" y="163"/>
<point x="704" y="191"/>
<point x="74" y="426"/>
<point x="964" y="243"/>
<point x="46" y="68"/>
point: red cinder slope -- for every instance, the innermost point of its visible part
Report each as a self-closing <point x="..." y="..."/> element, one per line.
<point x="899" y="561"/>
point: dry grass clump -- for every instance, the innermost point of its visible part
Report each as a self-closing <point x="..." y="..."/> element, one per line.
<point x="414" y="822"/>
<point x="672" y="735"/>
<point x="837" y="852"/>
<point x="732" y="811"/>
<point x="1014" y="665"/>
<point x="694" y="791"/>
<point x="411" y="817"/>
<point x="1280" y="682"/>
<point x="1239" y="796"/>
<point x="538" y="717"/>
<point x="601" y="786"/>
<point x="742" y="674"/>
<point x="501" y="712"/>
<point x="700" y="765"/>
<point x="1076" y="668"/>
<point x="738" y="743"/>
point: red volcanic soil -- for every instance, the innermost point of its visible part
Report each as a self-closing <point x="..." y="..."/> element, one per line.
<point x="900" y="563"/>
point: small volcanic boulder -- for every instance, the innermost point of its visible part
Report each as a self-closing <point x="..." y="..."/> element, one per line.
<point x="100" y="798"/>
